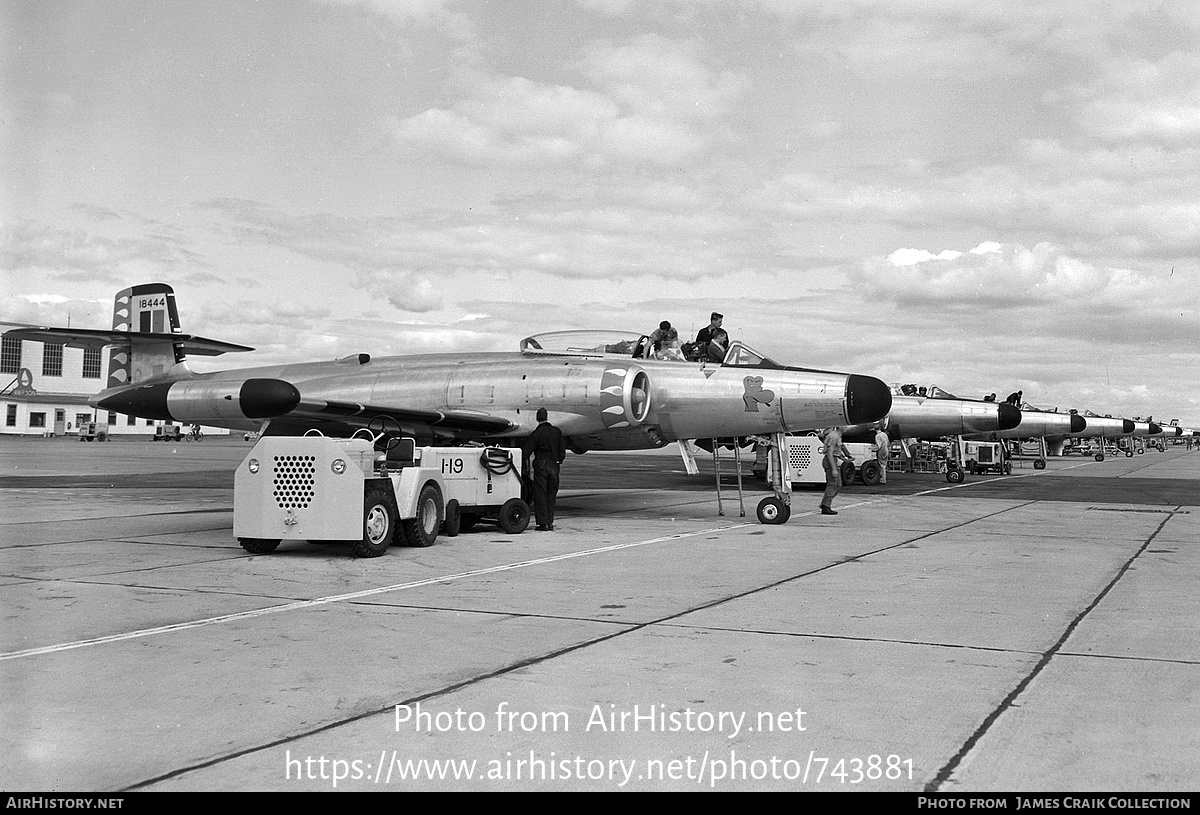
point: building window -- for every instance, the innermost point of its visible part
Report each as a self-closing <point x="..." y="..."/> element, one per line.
<point x="131" y="420"/>
<point x="91" y="363"/>
<point x="112" y="417"/>
<point x="10" y="416"/>
<point x="10" y="355"/>
<point x="37" y="419"/>
<point x="52" y="359"/>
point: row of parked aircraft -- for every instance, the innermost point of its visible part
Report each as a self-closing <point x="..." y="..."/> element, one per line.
<point x="595" y="389"/>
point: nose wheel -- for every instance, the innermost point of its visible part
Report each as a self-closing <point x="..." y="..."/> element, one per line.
<point x="777" y="508"/>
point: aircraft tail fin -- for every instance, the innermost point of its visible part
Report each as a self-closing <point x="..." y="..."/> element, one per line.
<point x="146" y="309"/>
<point x="146" y="339"/>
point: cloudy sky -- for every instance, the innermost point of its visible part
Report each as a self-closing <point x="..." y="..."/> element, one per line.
<point x="986" y="197"/>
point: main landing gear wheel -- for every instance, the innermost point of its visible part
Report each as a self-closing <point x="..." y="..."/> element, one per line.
<point x="773" y="511"/>
<point x="379" y="522"/>
<point x="422" y="530"/>
<point x="955" y="476"/>
<point x="259" y="546"/>
<point x="872" y="473"/>
<point x="514" y="516"/>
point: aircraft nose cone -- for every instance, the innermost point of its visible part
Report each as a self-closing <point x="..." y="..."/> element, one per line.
<point x="867" y="399"/>
<point x="1078" y="423"/>
<point x="1155" y="428"/>
<point x="1127" y="426"/>
<point x="1010" y="416"/>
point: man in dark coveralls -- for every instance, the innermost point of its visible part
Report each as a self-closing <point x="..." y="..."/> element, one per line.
<point x="546" y="446"/>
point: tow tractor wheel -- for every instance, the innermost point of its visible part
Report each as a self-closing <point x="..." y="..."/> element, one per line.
<point x="422" y="530"/>
<point x="1008" y="468"/>
<point x="1040" y="464"/>
<point x="847" y="472"/>
<point x="379" y="522"/>
<point x="955" y="475"/>
<point x="259" y="546"/>
<point x="871" y="473"/>
<point x="1099" y="457"/>
<point x="772" y="510"/>
<point x="514" y="516"/>
<point x="453" y="518"/>
<point x="1141" y="451"/>
<point x="1128" y="454"/>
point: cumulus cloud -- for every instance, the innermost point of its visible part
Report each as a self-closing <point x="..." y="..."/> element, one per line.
<point x="649" y="101"/>
<point x="996" y="274"/>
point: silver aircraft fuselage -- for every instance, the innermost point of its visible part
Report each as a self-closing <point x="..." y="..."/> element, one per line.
<point x="599" y="401"/>
<point x="927" y="417"/>
<point x="1037" y="424"/>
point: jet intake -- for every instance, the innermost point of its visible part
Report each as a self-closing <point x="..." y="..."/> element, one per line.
<point x="1078" y="423"/>
<point x="624" y="396"/>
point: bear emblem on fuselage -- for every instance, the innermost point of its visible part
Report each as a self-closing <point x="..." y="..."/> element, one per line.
<point x="755" y="395"/>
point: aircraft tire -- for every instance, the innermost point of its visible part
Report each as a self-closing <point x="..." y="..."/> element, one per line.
<point x="955" y="476"/>
<point x="259" y="546"/>
<point x="1099" y="457"/>
<point x="422" y="530"/>
<point x="514" y="516"/>
<point x="453" y="520"/>
<point x="871" y="473"/>
<point x="772" y="510"/>
<point x="379" y="522"/>
<point x="1040" y="464"/>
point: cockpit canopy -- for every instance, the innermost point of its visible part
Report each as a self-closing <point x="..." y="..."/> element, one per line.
<point x="605" y="343"/>
<point x="932" y="392"/>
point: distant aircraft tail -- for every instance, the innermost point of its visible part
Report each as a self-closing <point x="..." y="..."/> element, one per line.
<point x="146" y="309"/>
<point x="146" y="340"/>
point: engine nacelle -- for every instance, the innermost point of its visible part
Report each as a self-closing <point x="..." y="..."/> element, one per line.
<point x="202" y="400"/>
<point x="624" y="396"/>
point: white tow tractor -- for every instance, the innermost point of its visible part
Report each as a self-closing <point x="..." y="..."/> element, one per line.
<point x="317" y="488"/>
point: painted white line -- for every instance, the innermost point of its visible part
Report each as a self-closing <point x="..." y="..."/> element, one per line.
<point x="355" y="595"/>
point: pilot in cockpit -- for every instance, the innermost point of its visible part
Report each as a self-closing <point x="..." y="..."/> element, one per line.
<point x="664" y="342"/>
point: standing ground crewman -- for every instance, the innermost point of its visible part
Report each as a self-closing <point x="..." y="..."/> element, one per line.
<point x="835" y="454"/>
<point x="882" y="443"/>
<point x="546" y="446"/>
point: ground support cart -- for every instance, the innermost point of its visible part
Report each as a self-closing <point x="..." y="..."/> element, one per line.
<point x="167" y="432"/>
<point x="93" y="431"/>
<point x="984" y="457"/>
<point x="317" y="488"/>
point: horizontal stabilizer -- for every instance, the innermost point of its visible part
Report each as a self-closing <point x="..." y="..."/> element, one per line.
<point x="98" y="338"/>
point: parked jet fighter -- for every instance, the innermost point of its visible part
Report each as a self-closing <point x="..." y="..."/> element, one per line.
<point x="596" y="390"/>
<point x="936" y="414"/>
<point x="1049" y="425"/>
<point x="1103" y="428"/>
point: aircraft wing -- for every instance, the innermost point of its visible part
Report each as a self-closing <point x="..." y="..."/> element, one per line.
<point x="331" y="413"/>
<point x="99" y="337"/>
